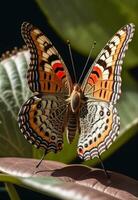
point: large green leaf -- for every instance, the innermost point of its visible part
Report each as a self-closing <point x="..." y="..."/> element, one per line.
<point x="83" y="22"/>
<point x="62" y="181"/>
<point x="14" y="91"/>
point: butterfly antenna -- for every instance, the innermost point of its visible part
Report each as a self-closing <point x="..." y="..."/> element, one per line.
<point x="106" y="173"/>
<point x="41" y="159"/>
<point x="71" y="58"/>
<point x="93" y="45"/>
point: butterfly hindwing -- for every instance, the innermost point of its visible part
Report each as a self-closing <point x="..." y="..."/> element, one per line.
<point x="47" y="72"/>
<point x="103" y="80"/>
<point x="99" y="125"/>
<point x="42" y="121"/>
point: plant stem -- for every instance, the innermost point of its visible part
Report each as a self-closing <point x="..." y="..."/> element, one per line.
<point x="12" y="191"/>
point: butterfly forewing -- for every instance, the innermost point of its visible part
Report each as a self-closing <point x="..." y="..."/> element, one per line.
<point x="47" y="72"/>
<point x="103" y="80"/>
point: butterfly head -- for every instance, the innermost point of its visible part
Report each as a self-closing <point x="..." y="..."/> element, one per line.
<point x="77" y="88"/>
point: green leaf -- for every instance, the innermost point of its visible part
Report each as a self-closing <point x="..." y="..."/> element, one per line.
<point x="44" y="185"/>
<point x="62" y="181"/>
<point x="13" y="92"/>
<point x="83" y="22"/>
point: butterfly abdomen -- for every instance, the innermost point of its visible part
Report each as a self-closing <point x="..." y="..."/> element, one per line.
<point x="71" y="126"/>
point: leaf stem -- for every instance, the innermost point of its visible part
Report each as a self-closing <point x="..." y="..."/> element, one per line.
<point x="12" y="191"/>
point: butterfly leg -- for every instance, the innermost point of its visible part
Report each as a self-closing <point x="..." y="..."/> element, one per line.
<point x="105" y="171"/>
<point x="41" y="159"/>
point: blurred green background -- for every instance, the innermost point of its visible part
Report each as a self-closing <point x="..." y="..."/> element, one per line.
<point x="82" y="22"/>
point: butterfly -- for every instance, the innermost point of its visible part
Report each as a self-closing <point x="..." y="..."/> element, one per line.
<point x="59" y="106"/>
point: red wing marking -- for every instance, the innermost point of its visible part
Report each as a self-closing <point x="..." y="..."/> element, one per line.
<point x="57" y="65"/>
<point x="98" y="70"/>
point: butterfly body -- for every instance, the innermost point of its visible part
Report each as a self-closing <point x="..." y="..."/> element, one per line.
<point x="76" y="98"/>
<point x="59" y="106"/>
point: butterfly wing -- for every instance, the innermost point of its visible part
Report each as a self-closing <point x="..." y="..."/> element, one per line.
<point x="103" y="80"/>
<point x="99" y="121"/>
<point x="42" y="121"/>
<point x="42" y="118"/>
<point x="47" y="72"/>
<point x="99" y="124"/>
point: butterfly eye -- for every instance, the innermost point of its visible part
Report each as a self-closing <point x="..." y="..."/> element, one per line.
<point x="101" y="113"/>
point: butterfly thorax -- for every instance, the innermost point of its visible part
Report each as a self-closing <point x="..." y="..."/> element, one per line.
<point x="75" y="98"/>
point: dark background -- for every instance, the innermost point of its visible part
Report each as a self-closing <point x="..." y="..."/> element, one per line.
<point x="12" y="14"/>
